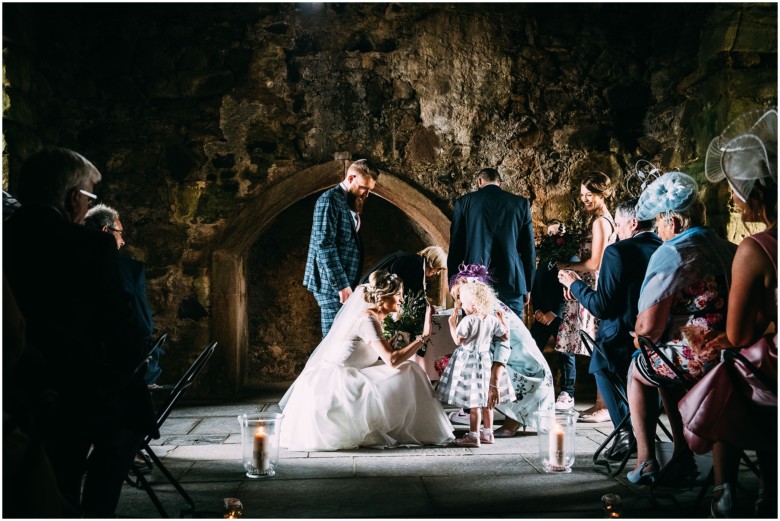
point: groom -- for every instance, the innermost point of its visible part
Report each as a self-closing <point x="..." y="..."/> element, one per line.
<point x="335" y="259"/>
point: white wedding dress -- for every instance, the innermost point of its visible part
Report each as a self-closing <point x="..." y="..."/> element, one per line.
<point x="346" y="398"/>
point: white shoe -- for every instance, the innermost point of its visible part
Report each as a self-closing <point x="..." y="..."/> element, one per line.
<point x="459" y="417"/>
<point x="564" y="401"/>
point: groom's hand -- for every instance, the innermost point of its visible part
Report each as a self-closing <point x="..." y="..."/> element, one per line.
<point x="344" y="294"/>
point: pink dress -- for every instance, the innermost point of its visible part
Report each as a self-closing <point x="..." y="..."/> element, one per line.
<point x="734" y="407"/>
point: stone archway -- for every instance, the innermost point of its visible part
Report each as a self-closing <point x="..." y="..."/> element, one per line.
<point x="229" y="321"/>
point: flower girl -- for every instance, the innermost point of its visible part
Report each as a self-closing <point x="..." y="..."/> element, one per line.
<point x="471" y="379"/>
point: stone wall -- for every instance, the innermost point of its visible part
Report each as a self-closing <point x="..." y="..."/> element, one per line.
<point x="194" y="112"/>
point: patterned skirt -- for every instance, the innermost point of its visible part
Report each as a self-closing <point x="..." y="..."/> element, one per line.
<point x="466" y="380"/>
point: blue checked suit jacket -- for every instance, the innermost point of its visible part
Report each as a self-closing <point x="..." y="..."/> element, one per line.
<point x="335" y="259"/>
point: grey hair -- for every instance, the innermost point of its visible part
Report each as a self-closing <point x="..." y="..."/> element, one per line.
<point x="101" y="215"/>
<point x="47" y="177"/>
<point x="693" y="216"/>
<point x="627" y="209"/>
<point x="435" y="257"/>
<point x="382" y="284"/>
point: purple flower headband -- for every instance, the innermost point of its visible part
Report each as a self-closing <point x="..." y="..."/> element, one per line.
<point x="471" y="273"/>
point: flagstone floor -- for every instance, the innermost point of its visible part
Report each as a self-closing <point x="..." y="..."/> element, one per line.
<point x="201" y="446"/>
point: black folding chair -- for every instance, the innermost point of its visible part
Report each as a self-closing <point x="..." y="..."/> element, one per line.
<point x="620" y="387"/>
<point x="157" y="344"/>
<point x="184" y="383"/>
<point x="647" y="346"/>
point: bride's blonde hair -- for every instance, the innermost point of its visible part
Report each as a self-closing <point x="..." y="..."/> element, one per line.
<point x="381" y="284"/>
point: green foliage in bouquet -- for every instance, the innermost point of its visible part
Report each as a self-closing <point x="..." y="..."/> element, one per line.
<point x="411" y="317"/>
<point x="562" y="246"/>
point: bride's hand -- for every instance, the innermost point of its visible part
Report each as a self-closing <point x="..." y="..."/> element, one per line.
<point x="427" y="325"/>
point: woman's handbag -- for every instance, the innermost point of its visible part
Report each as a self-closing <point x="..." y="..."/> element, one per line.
<point x="736" y="402"/>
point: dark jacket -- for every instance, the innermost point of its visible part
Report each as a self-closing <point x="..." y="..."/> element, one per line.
<point x="408" y="266"/>
<point x="547" y="292"/>
<point x="493" y="227"/>
<point x="66" y="281"/>
<point x="134" y="284"/>
<point x="615" y="301"/>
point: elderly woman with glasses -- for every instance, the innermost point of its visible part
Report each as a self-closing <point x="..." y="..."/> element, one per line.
<point x="683" y="302"/>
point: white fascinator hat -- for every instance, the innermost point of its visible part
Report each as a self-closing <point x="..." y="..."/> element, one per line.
<point x="745" y="153"/>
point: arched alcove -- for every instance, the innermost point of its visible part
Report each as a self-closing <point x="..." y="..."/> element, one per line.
<point x="229" y="319"/>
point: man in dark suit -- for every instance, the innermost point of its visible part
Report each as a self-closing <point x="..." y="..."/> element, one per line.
<point x="335" y="259"/>
<point x="106" y="219"/>
<point x="615" y="303"/>
<point x="65" y="278"/>
<point x="493" y="228"/>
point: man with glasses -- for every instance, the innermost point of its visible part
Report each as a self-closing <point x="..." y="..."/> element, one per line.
<point x="106" y="219"/>
<point x="66" y="282"/>
<point x="335" y="259"/>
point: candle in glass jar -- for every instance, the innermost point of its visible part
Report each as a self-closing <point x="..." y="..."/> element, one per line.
<point x="260" y="452"/>
<point x="556" y="446"/>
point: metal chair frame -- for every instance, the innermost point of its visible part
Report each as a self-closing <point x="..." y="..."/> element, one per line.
<point x="621" y="389"/>
<point x="646" y="345"/>
<point x="158" y="343"/>
<point x="184" y="383"/>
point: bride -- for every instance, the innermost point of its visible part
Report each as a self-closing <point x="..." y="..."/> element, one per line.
<point x="346" y="398"/>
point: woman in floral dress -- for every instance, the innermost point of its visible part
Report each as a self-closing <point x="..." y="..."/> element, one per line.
<point x="594" y="191"/>
<point x="683" y="302"/>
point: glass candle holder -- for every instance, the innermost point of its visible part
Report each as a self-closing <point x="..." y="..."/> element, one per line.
<point x="233" y="508"/>
<point x="260" y="443"/>
<point x="556" y="432"/>
<point x="610" y="503"/>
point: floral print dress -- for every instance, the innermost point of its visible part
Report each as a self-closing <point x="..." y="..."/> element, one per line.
<point x="575" y="317"/>
<point x="694" y="270"/>
<point x="695" y="311"/>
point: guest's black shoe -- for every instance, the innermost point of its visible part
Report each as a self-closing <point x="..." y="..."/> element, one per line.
<point x="624" y="442"/>
<point x="142" y="463"/>
<point x="680" y="471"/>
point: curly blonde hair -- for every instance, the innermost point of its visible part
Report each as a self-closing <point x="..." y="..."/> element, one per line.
<point x="382" y="284"/>
<point x="485" y="300"/>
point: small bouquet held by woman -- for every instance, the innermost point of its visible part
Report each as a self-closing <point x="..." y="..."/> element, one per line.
<point x="561" y="246"/>
<point x="408" y="322"/>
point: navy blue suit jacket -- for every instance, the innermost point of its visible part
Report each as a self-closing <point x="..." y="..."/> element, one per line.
<point x="134" y="284"/>
<point x="615" y="301"/>
<point x="493" y="227"/>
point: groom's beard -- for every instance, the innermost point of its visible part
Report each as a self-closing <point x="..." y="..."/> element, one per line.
<point x="355" y="202"/>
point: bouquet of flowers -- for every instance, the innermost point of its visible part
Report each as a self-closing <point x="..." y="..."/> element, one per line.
<point x="561" y="246"/>
<point x="441" y="364"/>
<point x="409" y="322"/>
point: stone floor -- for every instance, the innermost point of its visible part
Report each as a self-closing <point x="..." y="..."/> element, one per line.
<point x="201" y="446"/>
